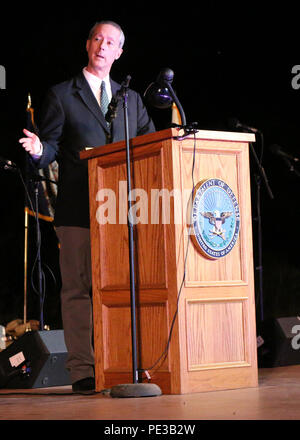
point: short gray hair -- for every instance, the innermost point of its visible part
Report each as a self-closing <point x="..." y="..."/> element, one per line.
<point x="112" y="23"/>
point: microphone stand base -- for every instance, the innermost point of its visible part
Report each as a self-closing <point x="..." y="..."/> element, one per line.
<point x="136" y="390"/>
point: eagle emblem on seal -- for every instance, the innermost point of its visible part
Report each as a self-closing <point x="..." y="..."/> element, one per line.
<point x="217" y="219"/>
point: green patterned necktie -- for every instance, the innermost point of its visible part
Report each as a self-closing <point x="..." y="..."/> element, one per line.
<point x="103" y="99"/>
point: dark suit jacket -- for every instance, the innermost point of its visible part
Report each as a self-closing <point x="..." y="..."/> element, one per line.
<point x="71" y="121"/>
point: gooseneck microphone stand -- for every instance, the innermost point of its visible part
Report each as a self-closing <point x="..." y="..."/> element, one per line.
<point x="135" y="389"/>
<point x="165" y="78"/>
<point x="161" y="94"/>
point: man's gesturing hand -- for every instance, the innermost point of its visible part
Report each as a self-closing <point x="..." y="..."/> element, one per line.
<point x="31" y="143"/>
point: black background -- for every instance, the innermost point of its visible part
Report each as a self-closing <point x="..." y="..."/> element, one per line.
<point x="230" y="61"/>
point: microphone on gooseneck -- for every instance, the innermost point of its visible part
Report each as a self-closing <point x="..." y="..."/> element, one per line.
<point x="276" y="149"/>
<point x="235" y="123"/>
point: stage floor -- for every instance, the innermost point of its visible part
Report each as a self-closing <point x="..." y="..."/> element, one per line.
<point x="276" y="398"/>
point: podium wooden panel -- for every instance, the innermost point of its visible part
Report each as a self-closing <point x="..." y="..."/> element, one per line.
<point x="213" y="338"/>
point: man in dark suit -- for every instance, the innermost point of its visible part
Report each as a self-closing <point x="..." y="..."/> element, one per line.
<point x="73" y="119"/>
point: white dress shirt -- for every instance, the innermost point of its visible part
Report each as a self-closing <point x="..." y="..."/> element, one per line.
<point x="95" y="84"/>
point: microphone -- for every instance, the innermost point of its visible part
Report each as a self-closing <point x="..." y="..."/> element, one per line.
<point x="237" y="124"/>
<point x="112" y="109"/>
<point x="7" y="164"/>
<point x="113" y="105"/>
<point x="166" y="75"/>
<point x="160" y="94"/>
<point x="276" y="149"/>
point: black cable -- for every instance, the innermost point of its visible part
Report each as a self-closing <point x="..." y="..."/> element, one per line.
<point x="40" y="292"/>
<point x="26" y="190"/>
<point x="165" y="352"/>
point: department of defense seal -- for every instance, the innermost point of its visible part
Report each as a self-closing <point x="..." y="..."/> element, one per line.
<point x="215" y="218"/>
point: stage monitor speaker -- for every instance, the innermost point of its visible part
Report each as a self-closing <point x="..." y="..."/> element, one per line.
<point x="281" y="345"/>
<point x="35" y="360"/>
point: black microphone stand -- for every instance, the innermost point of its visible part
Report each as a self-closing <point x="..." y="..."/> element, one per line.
<point x="135" y="389"/>
<point x="39" y="261"/>
<point x="35" y="178"/>
<point x="262" y="175"/>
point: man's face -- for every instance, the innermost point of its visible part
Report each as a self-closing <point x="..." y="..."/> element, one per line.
<point x="103" y="49"/>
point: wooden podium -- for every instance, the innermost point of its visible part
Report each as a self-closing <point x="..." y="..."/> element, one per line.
<point x="210" y="312"/>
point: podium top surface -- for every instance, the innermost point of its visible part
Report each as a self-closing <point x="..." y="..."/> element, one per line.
<point x="169" y="133"/>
